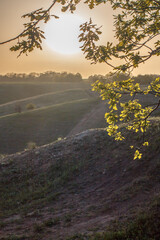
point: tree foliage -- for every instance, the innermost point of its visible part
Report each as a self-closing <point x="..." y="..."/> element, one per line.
<point x="137" y="30"/>
<point x="48" y="76"/>
<point x="136" y="26"/>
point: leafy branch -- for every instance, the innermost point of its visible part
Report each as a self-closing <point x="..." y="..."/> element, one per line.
<point x="36" y="15"/>
<point x="132" y="113"/>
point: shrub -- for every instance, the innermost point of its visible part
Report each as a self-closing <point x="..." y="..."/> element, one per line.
<point x="30" y="106"/>
<point x="31" y="145"/>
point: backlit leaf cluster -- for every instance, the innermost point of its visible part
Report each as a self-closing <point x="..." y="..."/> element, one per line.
<point x="130" y="112"/>
<point x="137" y="29"/>
<point x="32" y="35"/>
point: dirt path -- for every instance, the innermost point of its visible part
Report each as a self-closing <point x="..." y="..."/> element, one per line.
<point x="93" y="119"/>
<point x="34" y="97"/>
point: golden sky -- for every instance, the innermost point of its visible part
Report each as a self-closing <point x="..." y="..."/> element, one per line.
<point x="11" y="24"/>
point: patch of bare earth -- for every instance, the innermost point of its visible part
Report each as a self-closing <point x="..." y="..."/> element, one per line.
<point x="100" y="183"/>
<point x="92" y="119"/>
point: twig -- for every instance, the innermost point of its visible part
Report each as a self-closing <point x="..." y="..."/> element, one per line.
<point x="19" y="35"/>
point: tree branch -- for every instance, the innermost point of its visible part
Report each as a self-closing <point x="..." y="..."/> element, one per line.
<point x="19" y="35"/>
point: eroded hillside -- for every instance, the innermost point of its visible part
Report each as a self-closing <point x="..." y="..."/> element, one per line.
<point x="79" y="185"/>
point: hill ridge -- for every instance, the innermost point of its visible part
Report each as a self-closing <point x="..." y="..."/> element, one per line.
<point x="42" y="108"/>
<point x="37" y="96"/>
<point x="79" y="185"/>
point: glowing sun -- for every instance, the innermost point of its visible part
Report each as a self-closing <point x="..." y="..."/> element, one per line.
<point x="62" y="34"/>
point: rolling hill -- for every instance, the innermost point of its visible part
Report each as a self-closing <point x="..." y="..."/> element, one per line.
<point x="11" y="91"/>
<point x="83" y="187"/>
<point x="45" y="99"/>
<point x="43" y="125"/>
<point x="60" y="110"/>
<point x="59" y="107"/>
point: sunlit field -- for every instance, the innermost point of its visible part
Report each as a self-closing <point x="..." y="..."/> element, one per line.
<point x="57" y="108"/>
<point x="11" y="91"/>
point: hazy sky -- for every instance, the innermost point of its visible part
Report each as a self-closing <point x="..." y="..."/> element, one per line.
<point x="11" y="24"/>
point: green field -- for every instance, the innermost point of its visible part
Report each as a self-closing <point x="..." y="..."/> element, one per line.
<point x="60" y="108"/>
<point x="45" y="99"/>
<point x="57" y="112"/>
<point x="16" y="91"/>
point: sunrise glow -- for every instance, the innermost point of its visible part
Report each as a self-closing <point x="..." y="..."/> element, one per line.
<point x="62" y="34"/>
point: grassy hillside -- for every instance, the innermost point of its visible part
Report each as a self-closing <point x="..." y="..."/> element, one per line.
<point x="15" y="91"/>
<point x="58" y="108"/>
<point x="42" y="125"/>
<point x="61" y="109"/>
<point x="85" y="187"/>
<point x="46" y="99"/>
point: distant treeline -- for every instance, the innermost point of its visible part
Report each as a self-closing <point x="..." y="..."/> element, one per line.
<point x="50" y="76"/>
<point x="142" y="79"/>
<point x="41" y="77"/>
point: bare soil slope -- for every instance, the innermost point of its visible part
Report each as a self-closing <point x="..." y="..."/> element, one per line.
<point x="78" y="185"/>
<point x="91" y="119"/>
